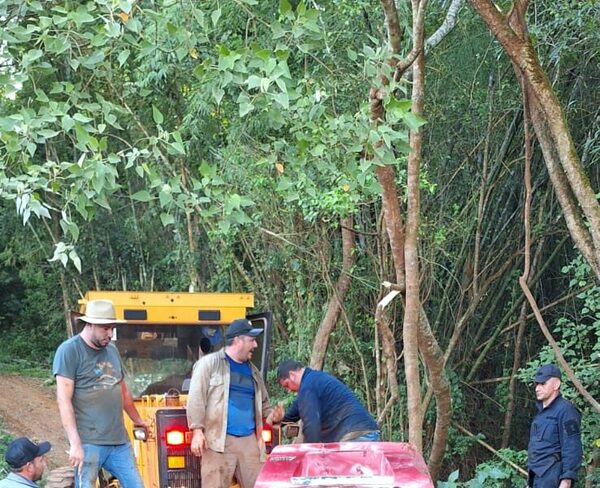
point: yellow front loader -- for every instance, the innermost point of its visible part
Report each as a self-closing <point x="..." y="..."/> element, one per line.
<point x="164" y="335"/>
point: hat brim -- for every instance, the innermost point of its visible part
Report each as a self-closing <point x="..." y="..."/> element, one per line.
<point x="98" y="321"/>
<point x="251" y="333"/>
<point x="43" y="448"/>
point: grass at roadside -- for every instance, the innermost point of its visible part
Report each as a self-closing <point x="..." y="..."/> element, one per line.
<point x="23" y="368"/>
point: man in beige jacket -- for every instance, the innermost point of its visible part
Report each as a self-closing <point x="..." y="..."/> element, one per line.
<point x="226" y="404"/>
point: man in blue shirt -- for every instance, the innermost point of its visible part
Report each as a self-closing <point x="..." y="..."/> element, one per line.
<point x="329" y="410"/>
<point x="226" y="404"/>
<point x="27" y="462"/>
<point x="555" y="451"/>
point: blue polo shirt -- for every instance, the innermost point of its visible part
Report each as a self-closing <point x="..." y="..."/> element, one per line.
<point x="240" y="410"/>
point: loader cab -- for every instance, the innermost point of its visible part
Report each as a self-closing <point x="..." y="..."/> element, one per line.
<point x="166" y="333"/>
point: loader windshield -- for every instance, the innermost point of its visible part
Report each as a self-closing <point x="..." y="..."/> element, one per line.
<point x="159" y="357"/>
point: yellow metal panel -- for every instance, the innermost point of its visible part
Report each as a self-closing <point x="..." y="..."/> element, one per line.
<point x="175" y="308"/>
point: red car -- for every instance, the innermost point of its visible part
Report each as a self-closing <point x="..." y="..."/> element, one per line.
<point x="345" y="464"/>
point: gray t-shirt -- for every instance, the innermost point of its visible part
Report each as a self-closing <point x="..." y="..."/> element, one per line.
<point x="97" y="397"/>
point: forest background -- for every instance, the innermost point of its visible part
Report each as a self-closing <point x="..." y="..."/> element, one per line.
<point x="309" y="153"/>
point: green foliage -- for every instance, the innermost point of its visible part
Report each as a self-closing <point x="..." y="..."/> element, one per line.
<point x="492" y="474"/>
<point x="5" y="439"/>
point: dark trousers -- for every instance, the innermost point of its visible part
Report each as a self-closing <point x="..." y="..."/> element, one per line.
<point x="550" y="479"/>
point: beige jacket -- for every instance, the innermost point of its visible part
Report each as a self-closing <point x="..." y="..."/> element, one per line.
<point x="208" y="400"/>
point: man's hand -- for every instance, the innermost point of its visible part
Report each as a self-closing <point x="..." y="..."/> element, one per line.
<point x="565" y="484"/>
<point x="199" y="443"/>
<point x="76" y="456"/>
<point x="276" y="415"/>
<point x="141" y="423"/>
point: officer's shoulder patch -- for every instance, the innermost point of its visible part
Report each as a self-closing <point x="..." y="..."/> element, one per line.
<point x="571" y="427"/>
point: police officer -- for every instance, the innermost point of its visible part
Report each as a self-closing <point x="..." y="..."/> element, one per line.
<point x="554" y="452"/>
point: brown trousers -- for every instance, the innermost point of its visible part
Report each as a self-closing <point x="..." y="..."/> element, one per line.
<point x="241" y="457"/>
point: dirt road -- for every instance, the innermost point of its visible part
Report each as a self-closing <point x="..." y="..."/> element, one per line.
<point x="28" y="408"/>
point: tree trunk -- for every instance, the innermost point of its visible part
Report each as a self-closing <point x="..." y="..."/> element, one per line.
<point x="317" y="357"/>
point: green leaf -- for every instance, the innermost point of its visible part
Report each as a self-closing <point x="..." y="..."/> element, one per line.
<point x="30" y="56"/>
<point x="142" y="196"/>
<point x="215" y="16"/>
<point x="93" y="60"/>
<point x="123" y="56"/>
<point x="253" y="81"/>
<point x="284" y="7"/>
<point x="67" y="123"/>
<point x="157" y="116"/>
<point x="166" y="219"/>
<point x="84" y="119"/>
<point x="47" y="133"/>
<point x="217" y="93"/>
<point x="282" y="99"/>
<point x="80" y="16"/>
<point x="112" y="29"/>
<point x="165" y="197"/>
<point x="414" y="121"/>
<point x="41" y="96"/>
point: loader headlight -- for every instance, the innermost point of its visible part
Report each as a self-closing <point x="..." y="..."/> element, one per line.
<point x="140" y="433"/>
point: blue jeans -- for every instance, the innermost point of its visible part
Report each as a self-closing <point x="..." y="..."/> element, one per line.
<point x="370" y="437"/>
<point x="116" y="459"/>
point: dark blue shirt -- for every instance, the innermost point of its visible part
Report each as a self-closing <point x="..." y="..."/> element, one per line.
<point x="556" y="437"/>
<point x="328" y="409"/>
<point x="240" y="410"/>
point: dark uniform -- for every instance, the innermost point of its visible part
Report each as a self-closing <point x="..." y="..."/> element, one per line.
<point x="555" y="450"/>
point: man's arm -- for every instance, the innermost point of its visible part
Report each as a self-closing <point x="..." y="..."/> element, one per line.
<point x="569" y="427"/>
<point x="292" y="414"/>
<point x="129" y="406"/>
<point x="65" y="388"/>
<point x="196" y="407"/>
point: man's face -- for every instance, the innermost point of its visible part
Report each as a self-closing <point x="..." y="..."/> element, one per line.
<point x="547" y="390"/>
<point x="246" y="344"/>
<point x="290" y="383"/>
<point x="101" y="335"/>
<point x="37" y="468"/>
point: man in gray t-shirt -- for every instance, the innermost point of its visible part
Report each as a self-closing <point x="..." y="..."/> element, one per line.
<point x="92" y="394"/>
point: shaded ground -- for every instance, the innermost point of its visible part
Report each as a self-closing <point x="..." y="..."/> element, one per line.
<point x="28" y="408"/>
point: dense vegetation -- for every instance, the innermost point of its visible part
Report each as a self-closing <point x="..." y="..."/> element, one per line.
<point x="227" y="145"/>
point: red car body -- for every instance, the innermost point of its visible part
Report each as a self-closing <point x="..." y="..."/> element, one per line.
<point x="345" y="464"/>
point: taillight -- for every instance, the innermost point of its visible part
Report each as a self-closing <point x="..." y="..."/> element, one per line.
<point x="267" y="435"/>
<point x="175" y="438"/>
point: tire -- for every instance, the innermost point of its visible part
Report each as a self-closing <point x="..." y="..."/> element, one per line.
<point x="61" y="478"/>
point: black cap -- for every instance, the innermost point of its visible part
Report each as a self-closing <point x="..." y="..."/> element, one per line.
<point x="545" y="372"/>
<point x="241" y="327"/>
<point x="22" y="451"/>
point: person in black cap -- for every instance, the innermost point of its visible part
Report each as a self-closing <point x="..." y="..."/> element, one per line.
<point x="27" y="463"/>
<point x="227" y="401"/>
<point x="555" y="453"/>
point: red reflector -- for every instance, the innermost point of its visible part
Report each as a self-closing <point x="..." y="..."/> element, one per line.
<point x="175" y="438"/>
<point x="267" y="436"/>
